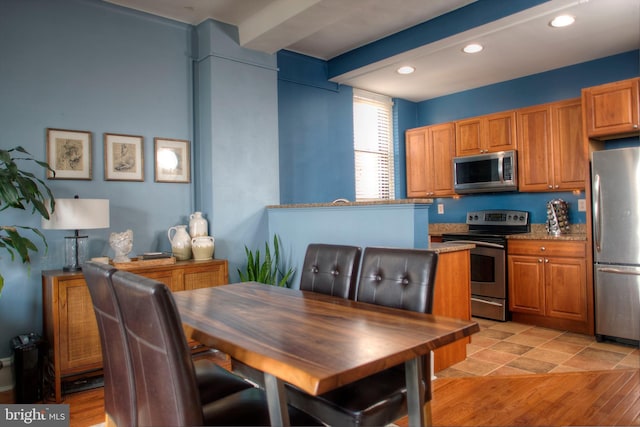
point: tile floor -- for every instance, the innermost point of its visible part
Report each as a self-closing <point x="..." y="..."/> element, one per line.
<point x="509" y="348"/>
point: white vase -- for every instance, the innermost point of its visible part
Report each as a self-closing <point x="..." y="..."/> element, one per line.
<point x="198" y="225"/>
<point x="180" y="242"/>
<point x="202" y="247"/>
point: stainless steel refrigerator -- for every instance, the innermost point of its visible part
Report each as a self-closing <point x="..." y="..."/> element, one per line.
<point x="616" y="238"/>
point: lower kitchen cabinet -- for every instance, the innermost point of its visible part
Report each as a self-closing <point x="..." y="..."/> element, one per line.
<point x="452" y="298"/>
<point x="69" y="321"/>
<point x="548" y="284"/>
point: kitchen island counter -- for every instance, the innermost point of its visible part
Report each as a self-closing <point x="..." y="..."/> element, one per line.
<point x="443" y="248"/>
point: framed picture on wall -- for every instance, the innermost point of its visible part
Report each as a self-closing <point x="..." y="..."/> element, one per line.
<point x="172" y="160"/>
<point x="123" y="157"/>
<point x="69" y="154"/>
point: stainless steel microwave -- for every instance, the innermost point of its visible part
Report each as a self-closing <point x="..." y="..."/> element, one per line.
<point x="484" y="173"/>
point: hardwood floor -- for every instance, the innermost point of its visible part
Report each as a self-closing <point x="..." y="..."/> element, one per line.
<point x="597" y="398"/>
<point x="600" y="398"/>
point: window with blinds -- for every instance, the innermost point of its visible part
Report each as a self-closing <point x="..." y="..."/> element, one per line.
<point x="373" y="145"/>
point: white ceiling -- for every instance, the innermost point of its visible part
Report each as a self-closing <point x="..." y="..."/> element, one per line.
<point x="519" y="45"/>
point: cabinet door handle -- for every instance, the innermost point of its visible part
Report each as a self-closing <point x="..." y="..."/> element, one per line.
<point x="542" y="248"/>
<point x="540" y="260"/>
<point x="546" y="260"/>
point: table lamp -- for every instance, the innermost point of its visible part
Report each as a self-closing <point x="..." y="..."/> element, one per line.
<point x="77" y="214"/>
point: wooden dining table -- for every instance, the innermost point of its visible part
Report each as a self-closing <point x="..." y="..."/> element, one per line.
<point x="314" y="341"/>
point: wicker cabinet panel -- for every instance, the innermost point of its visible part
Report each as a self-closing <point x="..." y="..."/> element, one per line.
<point x="69" y="322"/>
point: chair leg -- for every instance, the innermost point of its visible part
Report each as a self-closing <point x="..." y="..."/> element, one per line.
<point x="428" y="422"/>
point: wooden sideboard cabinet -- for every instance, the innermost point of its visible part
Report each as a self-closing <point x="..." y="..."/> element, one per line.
<point x="548" y="284"/>
<point x="69" y="322"/>
<point x="612" y="110"/>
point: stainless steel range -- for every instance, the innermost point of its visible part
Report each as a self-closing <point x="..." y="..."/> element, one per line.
<point x="488" y="230"/>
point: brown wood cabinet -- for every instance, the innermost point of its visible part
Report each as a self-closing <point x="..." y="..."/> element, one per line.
<point x="551" y="155"/>
<point x="612" y="110"/>
<point x="429" y="151"/>
<point x="548" y="284"/>
<point x="69" y="322"/>
<point x="452" y="298"/>
<point x="486" y="134"/>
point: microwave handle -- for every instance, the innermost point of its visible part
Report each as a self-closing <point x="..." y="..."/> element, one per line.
<point x="501" y="168"/>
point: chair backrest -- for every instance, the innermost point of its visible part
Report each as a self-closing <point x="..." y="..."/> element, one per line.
<point x="331" y="269"/>
<point x="399" y="278"/>
<point x="166" y="387"/>
<point x="119" y="389"/>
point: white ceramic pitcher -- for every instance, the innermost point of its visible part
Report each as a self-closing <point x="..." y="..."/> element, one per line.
<point x="180" y="242"/>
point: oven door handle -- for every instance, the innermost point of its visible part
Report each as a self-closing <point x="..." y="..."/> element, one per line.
<point x="481" y="244"/>
<point x="486" y="302"/>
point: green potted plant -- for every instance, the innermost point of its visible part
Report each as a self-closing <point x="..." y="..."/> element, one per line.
<point x="270" y="271"/>
<point x="20" y="189"/>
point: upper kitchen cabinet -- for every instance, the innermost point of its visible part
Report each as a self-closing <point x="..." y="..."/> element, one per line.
<point x="429" y="152"/>
<point x="486" y="134"/>
<point x="550" y="147"/>
<point x="612" y="110"/>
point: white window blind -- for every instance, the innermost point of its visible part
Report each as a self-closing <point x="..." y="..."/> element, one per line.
<point x="373" y="145"/>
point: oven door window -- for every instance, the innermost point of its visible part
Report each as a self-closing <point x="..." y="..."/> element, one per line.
<point x="483" y="268"/>
<point x="488" y="270"/>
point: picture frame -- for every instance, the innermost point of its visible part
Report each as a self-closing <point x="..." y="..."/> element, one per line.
<point x="172" y="160"/>
<point x="123" y="157"/>
<point x="69" y="154"/>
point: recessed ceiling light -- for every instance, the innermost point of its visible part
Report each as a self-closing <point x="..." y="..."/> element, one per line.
<point x="562" y="21"/>
<point x="472" y="48"/>
<point x="407" y="69"/>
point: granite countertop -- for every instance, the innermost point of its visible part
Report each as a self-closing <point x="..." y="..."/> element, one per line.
<point x="344" y="202"/>
<point x="538" y="232"/>
<point x="441" y="248"/>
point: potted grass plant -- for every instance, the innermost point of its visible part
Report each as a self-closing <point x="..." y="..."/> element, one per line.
<point x="20" y="189"/>
<point x="270" y="270"/>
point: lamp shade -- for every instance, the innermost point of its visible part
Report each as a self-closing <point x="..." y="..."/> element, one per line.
<point x="78" y="214"/>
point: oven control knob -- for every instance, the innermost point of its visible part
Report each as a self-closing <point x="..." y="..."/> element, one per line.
<point x="470" y="217"/>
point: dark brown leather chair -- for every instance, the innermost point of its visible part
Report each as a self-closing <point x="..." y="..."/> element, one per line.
<point x="166" y="389"/>
<point x="118" y="372"/>
<point x="119" y="391"/>
<point x="331" y="269"/>
<point x="400" y="278"/>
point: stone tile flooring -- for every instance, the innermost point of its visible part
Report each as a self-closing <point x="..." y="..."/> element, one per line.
<point x="509" y="348"/>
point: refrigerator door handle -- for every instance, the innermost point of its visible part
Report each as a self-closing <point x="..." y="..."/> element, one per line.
<point x="619" y="271"/>
<point x="597" y="225"/>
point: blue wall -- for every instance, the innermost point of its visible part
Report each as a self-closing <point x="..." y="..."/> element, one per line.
<point x="531" y="90"/>
<point x="86" y="65"/>
<point x="89" y="65"/>
<point x="316" y="135"/>
<point x="405" y="225"/>
<point x="237" y="135"/>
